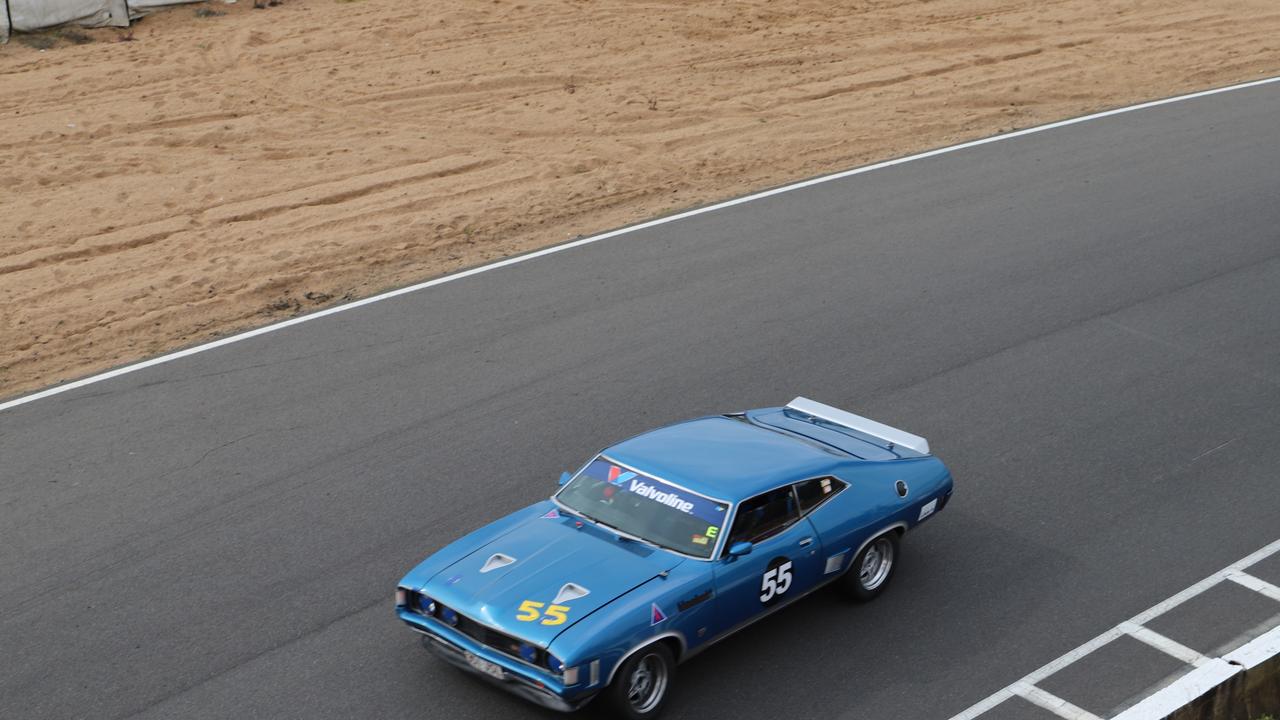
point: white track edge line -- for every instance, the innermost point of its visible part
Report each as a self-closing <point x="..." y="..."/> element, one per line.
<point x="1254" y="558"/>
<point x="984" y="705"/>
<point x="57" y="389"/>
<point x="1174" y="601"/>
<point x="1163" y="702"/>
<point x="1255" y="584"/>
<point x="1166" y="645"/>
<point x="1053" y="666"/>
<point x="1051" y="702"/>
<point x="1066" y="659"/>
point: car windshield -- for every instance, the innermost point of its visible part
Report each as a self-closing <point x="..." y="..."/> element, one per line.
<point x="646" y="507"/>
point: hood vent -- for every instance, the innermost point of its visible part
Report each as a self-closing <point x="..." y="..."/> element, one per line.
<point x="495" y="561"/>
<point x="569" y="592"/>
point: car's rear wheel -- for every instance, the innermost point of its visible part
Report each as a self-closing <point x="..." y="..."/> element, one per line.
<point x="871" y="571"/>
<point x="640" y="686"/>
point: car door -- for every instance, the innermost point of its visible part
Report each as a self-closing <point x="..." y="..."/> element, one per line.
<point x="784" y="562"/>
<point x="838" y="529"/>
<point x="845" y="515"/>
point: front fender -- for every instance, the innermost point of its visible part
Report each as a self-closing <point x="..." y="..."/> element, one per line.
<point x="664" y="607"/>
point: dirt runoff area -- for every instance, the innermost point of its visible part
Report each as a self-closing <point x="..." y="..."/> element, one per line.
<point x="219" y="167"/>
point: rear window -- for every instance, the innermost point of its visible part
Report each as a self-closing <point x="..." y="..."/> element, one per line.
<point x="646" y="507"/>
<point x="813" y="493"/>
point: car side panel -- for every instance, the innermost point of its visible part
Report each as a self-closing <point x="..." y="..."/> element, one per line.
<point x="928" y="484"/>
<point x="844" y="521"/>
<point x="685" y="608"/>
<point x="871" y="504"/>
<point x="743" y="594"/>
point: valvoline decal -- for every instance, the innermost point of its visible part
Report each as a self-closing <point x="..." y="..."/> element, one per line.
<point x="618" y="477"/>
<point x="658" y="491"/>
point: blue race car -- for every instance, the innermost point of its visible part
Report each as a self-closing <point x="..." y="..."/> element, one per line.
<point x="667" y="542"/>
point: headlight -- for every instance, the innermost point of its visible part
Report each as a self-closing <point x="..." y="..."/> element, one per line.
<point x="449" y="615"/>
<point x="570" y="674"/>
<point x="426" y="605"/>
<point x="528" y="653"/>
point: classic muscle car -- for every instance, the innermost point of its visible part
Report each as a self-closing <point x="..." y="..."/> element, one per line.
<point x="669" y="541"/>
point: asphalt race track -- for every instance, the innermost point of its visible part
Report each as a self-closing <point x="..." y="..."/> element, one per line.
<point x="1085" y="323"/>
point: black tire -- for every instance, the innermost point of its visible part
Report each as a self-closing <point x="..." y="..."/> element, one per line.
<point x="864" y="581"/>
<point x="633" y="697"/>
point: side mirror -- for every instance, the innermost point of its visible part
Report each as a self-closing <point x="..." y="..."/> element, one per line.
<point x="565" y="477"/>
<point x="739" y="549"/>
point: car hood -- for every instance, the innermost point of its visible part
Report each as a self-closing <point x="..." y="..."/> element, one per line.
<point x="551" y="559"/>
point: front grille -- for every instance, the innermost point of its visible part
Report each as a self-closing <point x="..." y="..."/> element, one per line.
<point x="489" y="637"/>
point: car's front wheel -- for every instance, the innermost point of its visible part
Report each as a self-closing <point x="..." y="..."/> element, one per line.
<point x="640" y="686"/>
<point x="871" y="571"/>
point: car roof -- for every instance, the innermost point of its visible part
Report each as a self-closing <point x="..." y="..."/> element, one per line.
<point x="728" y="458"/>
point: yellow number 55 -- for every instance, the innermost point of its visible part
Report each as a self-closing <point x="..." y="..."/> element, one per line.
<point x="529" y="611"/>
<point x="555" y="615"/>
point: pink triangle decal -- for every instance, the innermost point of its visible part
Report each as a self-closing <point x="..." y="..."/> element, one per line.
<point x="658" y="615"/>
<point x="552" y="514"/>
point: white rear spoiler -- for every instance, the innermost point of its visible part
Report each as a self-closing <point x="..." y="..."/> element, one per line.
<point x="857" y="422"/>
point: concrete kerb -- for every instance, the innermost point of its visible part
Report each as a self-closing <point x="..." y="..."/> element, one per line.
<point x="1241" y="685"/>
<point x="1249" y="687"/>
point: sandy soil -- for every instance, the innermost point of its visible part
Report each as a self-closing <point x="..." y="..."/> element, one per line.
<point x="220" y="172"/>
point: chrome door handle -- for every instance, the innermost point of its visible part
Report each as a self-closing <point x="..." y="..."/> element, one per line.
<point x="806" y="542"/>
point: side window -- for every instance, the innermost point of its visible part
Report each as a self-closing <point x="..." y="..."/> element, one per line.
<point x="812" y="493"/>
<point x="764" y="516"/>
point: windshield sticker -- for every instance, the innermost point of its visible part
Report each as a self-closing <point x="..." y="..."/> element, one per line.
<point x="656" y="490"/>
<point x="618" y="477"/>
<point x="670" y="499"/>
<point x="644" y="508"/>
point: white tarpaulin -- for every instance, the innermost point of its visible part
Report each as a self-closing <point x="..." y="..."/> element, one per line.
<point x="30" y="15"/>
<point x="148" y="5"/>
<point x="37" y="14"/>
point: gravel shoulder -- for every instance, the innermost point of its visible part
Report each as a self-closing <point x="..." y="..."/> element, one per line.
<point x="226" y="167"/>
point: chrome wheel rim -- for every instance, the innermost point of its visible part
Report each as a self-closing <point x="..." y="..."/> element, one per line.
<point x="876" y="564"/>
<point x="647" y="683"/>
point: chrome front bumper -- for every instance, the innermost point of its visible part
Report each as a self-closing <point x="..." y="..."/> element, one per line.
<point x="516" y="679"/>
<point x="510" y="682"/>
